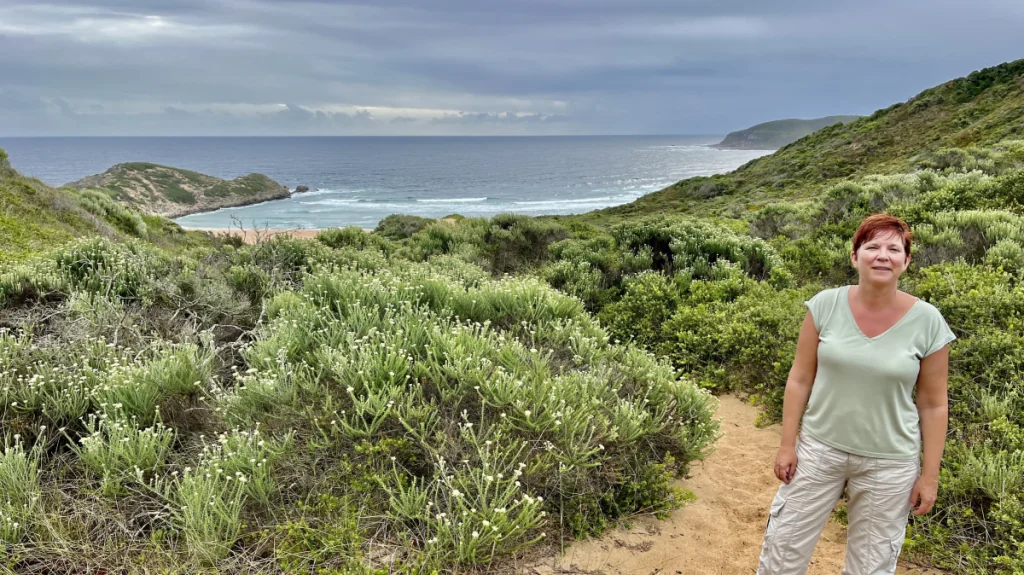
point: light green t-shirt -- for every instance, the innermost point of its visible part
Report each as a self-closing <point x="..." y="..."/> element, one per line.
<point x="862" y="399"/>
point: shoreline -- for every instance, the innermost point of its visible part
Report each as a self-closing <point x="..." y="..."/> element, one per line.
<point x="250" y="236"/>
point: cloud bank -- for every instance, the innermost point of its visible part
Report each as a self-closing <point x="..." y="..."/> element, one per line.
<point x="273" y="67"/>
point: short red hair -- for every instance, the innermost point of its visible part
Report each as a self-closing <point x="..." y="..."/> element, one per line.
<point x="882" y="224"/>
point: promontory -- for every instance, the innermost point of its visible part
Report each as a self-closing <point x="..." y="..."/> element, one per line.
<point x="172" y="192"/>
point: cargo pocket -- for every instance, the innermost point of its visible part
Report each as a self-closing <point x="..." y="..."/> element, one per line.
<point x="771" y="553"/>
<point x="895" y="546"/>
<point x="773" y="516"/>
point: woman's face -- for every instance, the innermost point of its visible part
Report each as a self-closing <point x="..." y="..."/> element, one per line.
<point x="881" y="259"/>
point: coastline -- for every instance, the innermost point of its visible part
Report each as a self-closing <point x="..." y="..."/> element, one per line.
<point x="250" y="236"/>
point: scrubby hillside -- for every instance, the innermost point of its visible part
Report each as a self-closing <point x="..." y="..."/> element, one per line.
<point x="171" y="192"/>
<point x="977" y="111"/>
<point x="35" y="217"/>
<point x="444" y="396"/>
<point x="341" y="405"/>
<point x="777" y="133"/>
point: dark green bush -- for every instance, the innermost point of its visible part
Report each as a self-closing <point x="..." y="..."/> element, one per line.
<point x="399" y="227"/>
<point x="513" y="242"/>
<point x="649" y="300"/>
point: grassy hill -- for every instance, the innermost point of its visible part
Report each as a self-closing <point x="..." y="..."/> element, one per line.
<point x="777" y="133"/>
<point x="979" y="110"/>
<point x="35" y="217"/>
<point x="171" y="192"/>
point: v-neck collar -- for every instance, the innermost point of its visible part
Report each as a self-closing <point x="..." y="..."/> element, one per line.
<point x="853" y="320"/>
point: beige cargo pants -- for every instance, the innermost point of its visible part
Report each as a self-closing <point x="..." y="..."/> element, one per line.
<point x="878" y="507"/>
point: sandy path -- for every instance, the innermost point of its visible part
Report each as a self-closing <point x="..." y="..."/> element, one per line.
<point x="720" y="533"/>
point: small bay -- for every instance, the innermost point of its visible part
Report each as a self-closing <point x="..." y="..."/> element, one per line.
<point x="360" y="180"/>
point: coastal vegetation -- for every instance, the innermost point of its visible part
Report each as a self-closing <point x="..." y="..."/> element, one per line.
<point x="448" y="395"/>
<point x="777" y="133"/>
<point x="972" y="114"/>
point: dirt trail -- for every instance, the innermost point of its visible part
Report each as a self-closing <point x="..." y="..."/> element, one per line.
<point x="720" y="533"/>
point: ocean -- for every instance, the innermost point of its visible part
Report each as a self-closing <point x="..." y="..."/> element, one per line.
<point x="360" y="180"/>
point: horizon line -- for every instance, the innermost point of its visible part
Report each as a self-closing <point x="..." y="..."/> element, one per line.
<point x="3" y="137"/>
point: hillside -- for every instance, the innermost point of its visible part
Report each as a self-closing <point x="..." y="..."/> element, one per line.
<point x="777" y="133"/>
<point x="172" y="192"/>
<point x="34" y="216"/>
<point x="981" y="109"/>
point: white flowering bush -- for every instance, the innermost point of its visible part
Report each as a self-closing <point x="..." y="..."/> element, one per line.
<point x="19" y="489"/>
<point x="103" y="268"/>
<point x="31" y="280"/>
<point x="462" y="369"/>
<point x="114" y="447"/>
<point x="477" y="509"/>
<point x="41" y="384"/>
<point x="205" y="502"/>
<point x="205" y="506"/>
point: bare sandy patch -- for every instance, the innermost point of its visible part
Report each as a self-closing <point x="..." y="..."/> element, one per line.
<point x="720" y="533"/>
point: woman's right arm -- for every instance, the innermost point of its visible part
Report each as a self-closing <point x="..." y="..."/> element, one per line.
<point x="798" y="389"/>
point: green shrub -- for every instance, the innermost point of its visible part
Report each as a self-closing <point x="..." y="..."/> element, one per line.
<point x="354" y="237"/>
<point x="649" y="300"/>
<point x="575" y="278"/>
<point x="100" y="204"/>
<point x="114" y="449"/>
<point x="463" y="238"/>
<point x="398" y="227"/>
<point x="174" y="192"/>
<point x="104" y="269"/>
<point x="402" y="353"/>
<point x="514" y="242"/>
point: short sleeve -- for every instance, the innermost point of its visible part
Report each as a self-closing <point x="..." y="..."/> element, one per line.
<point x="820" y="307"/>
<point x="940" y="334"/>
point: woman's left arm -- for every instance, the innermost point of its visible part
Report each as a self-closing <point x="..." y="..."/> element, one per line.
<point x="933" y="410"/>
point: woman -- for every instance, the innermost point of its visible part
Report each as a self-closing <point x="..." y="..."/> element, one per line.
<point x="862" y="352"/>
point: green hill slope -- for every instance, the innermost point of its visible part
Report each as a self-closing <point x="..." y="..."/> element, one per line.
<point x="35" y="217"/>
<point x="171" y="192"/>
<point x="777" y="133"/>
<point x="981" y="109"/>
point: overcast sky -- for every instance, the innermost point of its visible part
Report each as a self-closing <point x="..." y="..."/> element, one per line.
<point x="268" y="67"/>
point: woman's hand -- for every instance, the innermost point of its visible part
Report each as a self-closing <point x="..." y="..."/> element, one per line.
<point x="922" y="498"/>
<point x="785" y="464"/>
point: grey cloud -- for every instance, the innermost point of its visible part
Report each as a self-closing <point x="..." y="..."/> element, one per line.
<point x="550" y="66"/>
<point x="502" y="118"/>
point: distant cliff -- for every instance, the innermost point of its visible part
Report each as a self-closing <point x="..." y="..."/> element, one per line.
<point x="171" y="192"/>
<point x="778" y="133"/>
